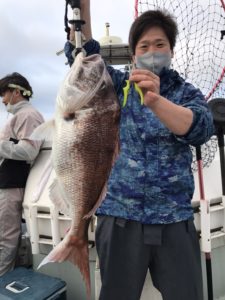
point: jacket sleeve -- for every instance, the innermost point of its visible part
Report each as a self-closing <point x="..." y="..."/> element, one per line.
<point x="90" y="47"/>
<point x="22" y="125"/>
<point x="25" y="150"/>
<point x="118" y="78"/>
<point x="202" y="127"/>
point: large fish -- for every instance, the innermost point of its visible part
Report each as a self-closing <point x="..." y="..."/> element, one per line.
<point x="84" y="147"/>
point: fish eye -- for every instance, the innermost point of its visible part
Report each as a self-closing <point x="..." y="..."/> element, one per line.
<point x="69" y="116"/>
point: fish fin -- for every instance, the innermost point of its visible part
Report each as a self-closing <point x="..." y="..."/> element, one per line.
<point x="59" y="254"/>
<point x="80" y="258"/>
<point x="44" y="131"/>
<point x="58" y="197"/>
<point x="76" y="251"/>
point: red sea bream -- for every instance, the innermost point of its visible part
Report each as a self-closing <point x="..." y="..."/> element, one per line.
<point x="84" y="145"/>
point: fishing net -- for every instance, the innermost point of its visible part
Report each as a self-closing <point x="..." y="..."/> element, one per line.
<point x="200" y="49"/>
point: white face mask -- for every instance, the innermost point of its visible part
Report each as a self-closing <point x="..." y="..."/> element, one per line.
<point x="10" y="108"/>
<point x="153" y="62"/>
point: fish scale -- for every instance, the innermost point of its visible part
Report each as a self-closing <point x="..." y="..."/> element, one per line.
<point x="84" y="148"/>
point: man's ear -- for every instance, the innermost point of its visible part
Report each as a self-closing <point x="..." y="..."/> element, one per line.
<point x="17" y="92"/>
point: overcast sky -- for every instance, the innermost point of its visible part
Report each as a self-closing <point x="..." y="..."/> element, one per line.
<point x="31" y="32"/>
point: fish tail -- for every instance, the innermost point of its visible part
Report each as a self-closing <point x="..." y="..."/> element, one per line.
<point x="76" y="251"/>
<point x="80" y="257"/>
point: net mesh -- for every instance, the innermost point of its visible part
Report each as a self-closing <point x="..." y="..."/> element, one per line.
<point x="200" y="49"/>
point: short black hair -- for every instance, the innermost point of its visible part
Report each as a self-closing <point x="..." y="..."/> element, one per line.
<point x="153" y="18"/>
<point x="17" y="79"/>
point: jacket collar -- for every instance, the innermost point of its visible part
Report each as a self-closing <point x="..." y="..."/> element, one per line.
<point x="169" y="78"/>
<point x="16" y="107"/>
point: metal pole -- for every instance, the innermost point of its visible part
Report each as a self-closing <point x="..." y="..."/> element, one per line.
<point x="77" y="23"/>
<point x="220" y="137"/>
<point x="205" y="207"/>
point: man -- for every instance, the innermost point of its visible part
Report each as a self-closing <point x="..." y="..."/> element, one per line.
<point x="15" y="91"/>
<point x="146" y="220"/>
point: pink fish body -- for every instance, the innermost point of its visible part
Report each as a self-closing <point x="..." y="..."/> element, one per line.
<point x="84" y="146"/>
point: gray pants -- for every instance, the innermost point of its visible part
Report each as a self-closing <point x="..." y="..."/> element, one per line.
<point x="128" y="249"/>
<point x="10" y="227"/>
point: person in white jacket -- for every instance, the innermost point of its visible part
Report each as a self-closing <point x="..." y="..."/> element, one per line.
<point x="15" y="91"/>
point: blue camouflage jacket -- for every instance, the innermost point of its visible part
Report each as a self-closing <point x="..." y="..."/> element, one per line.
<point x="152" y="180"/>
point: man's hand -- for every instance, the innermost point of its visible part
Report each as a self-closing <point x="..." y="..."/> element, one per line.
<point x="149" y="83"/>
<point x="175" y="117"/>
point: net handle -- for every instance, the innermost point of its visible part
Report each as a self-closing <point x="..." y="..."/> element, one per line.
<point x="216" y="85"/>
<point x="136" y="8"/>
<point x="223" y="4"/>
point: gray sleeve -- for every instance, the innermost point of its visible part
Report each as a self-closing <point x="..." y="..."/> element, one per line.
<point x="25" y="150"/>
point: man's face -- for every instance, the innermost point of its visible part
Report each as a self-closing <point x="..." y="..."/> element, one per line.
<point x="153" y="40"/>
<point x="10" y="97"/>
<point x="7" y="97"/>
